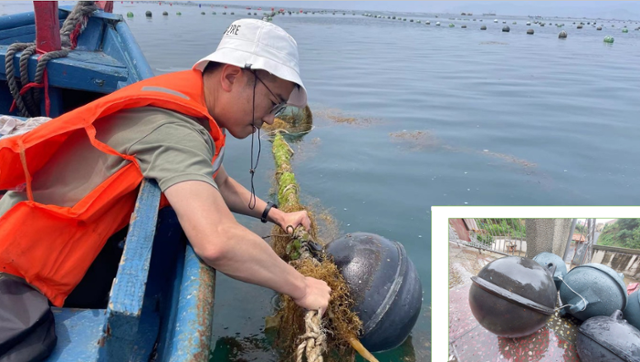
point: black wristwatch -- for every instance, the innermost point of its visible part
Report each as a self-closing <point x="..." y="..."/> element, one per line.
<point x="266" y="211"/>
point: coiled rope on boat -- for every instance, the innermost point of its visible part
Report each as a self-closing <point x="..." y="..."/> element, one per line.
<point x="26" y="99"/>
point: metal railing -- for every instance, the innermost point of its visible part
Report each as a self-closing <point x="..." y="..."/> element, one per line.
<point x="502" y="236"/>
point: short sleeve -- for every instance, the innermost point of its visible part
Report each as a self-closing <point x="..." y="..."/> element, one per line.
<point x="175" y="152"/>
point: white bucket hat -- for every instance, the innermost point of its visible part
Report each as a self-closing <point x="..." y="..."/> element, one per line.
<point x="259" y="44"/>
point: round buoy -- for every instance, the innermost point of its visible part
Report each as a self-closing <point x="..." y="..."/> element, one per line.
<point x="599" y="28"/>
<point x="178" y="13"/>
<point x="530" y="31"/>
<point x="411" y="21"/>
<point x="427" y="22"/>
<point x="233" y="13"/>
<point x="608" y="338"/>
<point x="384" y="284"/>
<point x="513" y="296"/>
<point x="591" y="290"/>
<point x="514" y="23"/>
<point x="528" y="23"/>
<point x="495" y="20"/>
<point x="505" y="29"/>
<point x="625" y="30"/>
<point x="148" y="14"/>
<point x="129" y="14"/>
<point x="484" y="27"/>
<point x="451" y="25"/>
<point x="419" y="21"/>
<point x="202" y="13"/>
<point x="464" y="27"/>
<point x="608" y="39"/>
<point x="224" y="13"/>
<point x="579" y="26"/>
<point x="562" y="35"/>
<point x="214" y="13"/>
<point x="164" y="13"/>
<point x="546" y="258"/>
<point x="438" y="23"/>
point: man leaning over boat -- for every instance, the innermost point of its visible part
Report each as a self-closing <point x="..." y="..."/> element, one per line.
<point x="61" y="228"/>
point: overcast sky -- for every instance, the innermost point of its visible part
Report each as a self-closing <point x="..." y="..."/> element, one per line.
<point x="604" y="9"/>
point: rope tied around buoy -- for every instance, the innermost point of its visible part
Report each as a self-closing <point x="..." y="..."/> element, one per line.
<point x="24" y="98"/>
<point x="304" y="333"/>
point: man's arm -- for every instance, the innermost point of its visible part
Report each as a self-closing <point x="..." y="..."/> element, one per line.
<point x="237" y="199"/>
<point x="221" y="242"/>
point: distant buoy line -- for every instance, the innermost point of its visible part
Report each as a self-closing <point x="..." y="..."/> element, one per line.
<point x="268" y="16"/>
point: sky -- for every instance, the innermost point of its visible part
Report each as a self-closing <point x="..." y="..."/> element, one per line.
<point x="624" y="10"/>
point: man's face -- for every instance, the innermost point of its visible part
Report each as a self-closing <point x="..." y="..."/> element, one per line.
<point x="241" y="115"/>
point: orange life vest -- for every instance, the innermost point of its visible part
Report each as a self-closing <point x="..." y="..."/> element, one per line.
<point x="52" y="247"/>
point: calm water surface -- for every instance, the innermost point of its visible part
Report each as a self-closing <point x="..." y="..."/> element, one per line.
<point x="443" y="116"/>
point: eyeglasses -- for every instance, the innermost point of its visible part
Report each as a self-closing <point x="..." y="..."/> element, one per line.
<point x="278" y="109"/>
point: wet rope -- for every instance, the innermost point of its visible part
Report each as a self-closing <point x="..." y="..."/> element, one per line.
<point x="314" y="341"/>
<point x="26" y="102"/>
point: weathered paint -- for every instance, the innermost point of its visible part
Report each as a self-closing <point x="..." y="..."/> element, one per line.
<point x="128" y="290"/>
<point x="194" y="318"/>
<point x="79" y="334"/>
<point x="47" y="25"/>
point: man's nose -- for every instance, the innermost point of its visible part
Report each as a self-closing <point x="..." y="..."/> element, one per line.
<point x="269" y="119"/>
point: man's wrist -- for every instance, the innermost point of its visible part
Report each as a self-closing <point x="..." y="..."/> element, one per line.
<point x="265" y="214"/>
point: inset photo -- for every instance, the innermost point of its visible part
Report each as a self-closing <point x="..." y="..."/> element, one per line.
<point x="534" y="289"/>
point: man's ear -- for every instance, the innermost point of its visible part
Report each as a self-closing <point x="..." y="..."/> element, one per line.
<point x="229" y="77"/>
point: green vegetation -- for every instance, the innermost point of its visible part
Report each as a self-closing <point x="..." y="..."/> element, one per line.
<point x="490" y="228"/>
<point x="625" y="233"/>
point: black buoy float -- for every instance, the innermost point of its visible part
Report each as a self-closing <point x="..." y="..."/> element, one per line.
<point x="505" y="29"/>
<point x="530" y="31"/>
<point x="384" y="284"/>
<point x="608" y="338"/>
<point x="513" y="296"/>
<point x="148" y="14"/>
<point x="165" y="13"/>
<point x="464" y="27"/>
<point x="562" y="35"/>
<point x="484" y="27"/>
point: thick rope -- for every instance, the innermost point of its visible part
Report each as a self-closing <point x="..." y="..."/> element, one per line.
<point x="11" y="80"/>
<point x="314" y="341"/>
<point x="74" y="24"/>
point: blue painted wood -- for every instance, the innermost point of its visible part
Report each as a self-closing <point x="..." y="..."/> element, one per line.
<point x="195" y="312"/>
<point x="82" y="70"/>
<point x="128" y="291"/>
<point x="25" y="34"/>
<point x="79" y="334"/>
<point x="92" y="35"/>
<point x="135" y="58"/>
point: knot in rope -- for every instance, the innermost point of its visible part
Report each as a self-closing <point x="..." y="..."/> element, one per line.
<point x="25" y="98"/>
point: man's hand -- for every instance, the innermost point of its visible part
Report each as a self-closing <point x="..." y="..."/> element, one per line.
<point x="293" y="219"/>
<point x="316" y="297"/>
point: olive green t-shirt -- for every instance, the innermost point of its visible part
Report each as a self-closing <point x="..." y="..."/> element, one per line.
<point x="168" y="146"/>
